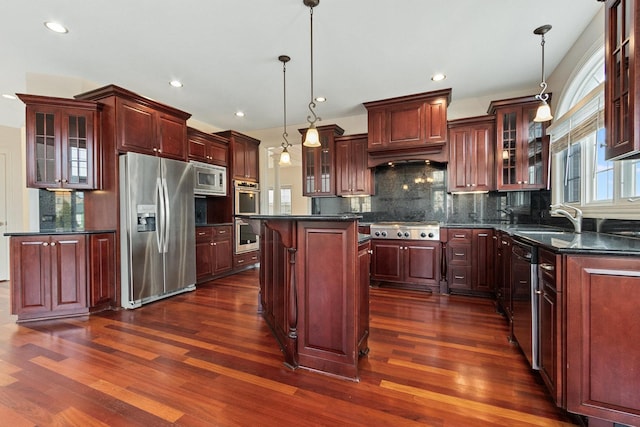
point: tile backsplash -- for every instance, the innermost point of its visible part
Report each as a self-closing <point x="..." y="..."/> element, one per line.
<point x="61" y="210"/>
<point x="418" y="192"/>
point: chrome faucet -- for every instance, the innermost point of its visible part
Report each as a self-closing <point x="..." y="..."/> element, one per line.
<point x="575" y="219"/>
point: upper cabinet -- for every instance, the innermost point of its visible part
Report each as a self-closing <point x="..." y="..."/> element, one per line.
<point x="353" y="177"/>
<point x="244" y="154"/>
<point x="471" y="154"/>
<point x="522" y="146"/>
<point x="142" y="125"/>
<point x="207" y="148"/>
<point x="318" y="163"/>
<point x="63" y="143"/>
<point x="407" y="127"/>
<point x="622" y="97"/>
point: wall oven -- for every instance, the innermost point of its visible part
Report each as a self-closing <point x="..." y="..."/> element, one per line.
<point x="246" y="198"/>
<point x="247" y="239"/>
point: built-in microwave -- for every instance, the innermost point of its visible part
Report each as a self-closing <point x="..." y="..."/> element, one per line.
<point x="209" y="180"/>
<point x="247" y="198"/>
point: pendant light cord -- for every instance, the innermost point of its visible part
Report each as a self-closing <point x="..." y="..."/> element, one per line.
<point x="284" y="84"/>
<point x="543" y="84"/>
<point x="313" y="118"/>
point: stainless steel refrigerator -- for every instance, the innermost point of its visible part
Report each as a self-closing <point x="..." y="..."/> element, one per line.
<point x="157" y="221"/>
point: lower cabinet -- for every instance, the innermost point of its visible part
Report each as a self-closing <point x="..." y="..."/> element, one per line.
<point x="415" y="264"/>
<point x="245" y="259"/>
<point x="602" y="330"/>
<point x="58" y="275"/>
<point x="550" y="298"/>
<point x="470" y="261"/>
<point x="214" y="254"/>
<point x="364" y="266"/>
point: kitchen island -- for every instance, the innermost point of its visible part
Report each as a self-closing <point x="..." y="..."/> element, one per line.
<point x="314" y="289"/>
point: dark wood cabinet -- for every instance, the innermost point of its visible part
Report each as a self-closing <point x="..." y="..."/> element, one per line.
<point x="142" y="125"/>
<point x="602" y="330"/>
<point x="471" y="154"/>
<point x="353" y="176"/>
<point x="62" y="143"/>
<point x="319" y="163"/>
<point x="470" y="261"/>
<point x="503" y="274"/>
<point x="207" y="148"/>
<point x="522" y="146"/>
<point x="550" y="324"/>
<point x="244" y="156"/>
<point x="48" y="276"/>
<point x="622" y="94"/>
<point x="313" y="308"/>
<point x="214" y="251"/>
<point x="101" y="261"/>
<point x="410" y="263"/>
<point x="408" y="126"/>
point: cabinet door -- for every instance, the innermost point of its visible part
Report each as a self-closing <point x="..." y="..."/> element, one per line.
<point x="222" y="256"/>
<point x="172" y="133"/>
<point x="43" y="147"/>
<point x="239" y="159"/>
<point x="534" y="152"/>
<point x="79" y="162"/>
<point x="508" y="124"/>
<point x="622" y="24"/>
<point x="318" y="164"/>
<point x="483" y="277"/>
<point x="603" y="327"/>
<point x="361" y="175"/>
<point x="68" y="273"/>
<point x="386" y="262"/>
<point x="102" y="270"/>
<point x="343" y="168"/>
<point x="251" y="161"/>
<point x="30" y="276"/>
<point x="481" y="159"/>
<point x="436" y="119"/>
<point x="136" y="125"/>
<point x="422" y="262"/>
<point x="204" y="253"/>
<point x="458" y="161"/>
<point x="549" y="327"/>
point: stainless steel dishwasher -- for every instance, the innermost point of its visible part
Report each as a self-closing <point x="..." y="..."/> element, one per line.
<point x="524" y="282"/>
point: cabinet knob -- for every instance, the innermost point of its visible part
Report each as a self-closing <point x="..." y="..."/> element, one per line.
<point x="155" y="150"/>
<point x="56" y="181"/>
<point x="65" y="181"/>
<point x="53" y="243"/>
<point x="370" y="251"/>
<point x="538" y="292"/>
<point x="45" y="244"/>
<point x="211" y="244"/>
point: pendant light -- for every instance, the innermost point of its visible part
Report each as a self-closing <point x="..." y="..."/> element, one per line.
<point x="544" y="111"/>
<point x="285" y="157"/>
<point x="312" y="139"/>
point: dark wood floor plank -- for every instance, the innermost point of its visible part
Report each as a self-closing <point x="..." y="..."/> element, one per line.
<point x="206" y="358"/>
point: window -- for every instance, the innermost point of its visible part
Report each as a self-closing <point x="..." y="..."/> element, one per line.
<point x="284" y="203"/>
<point x="581" y="176"/>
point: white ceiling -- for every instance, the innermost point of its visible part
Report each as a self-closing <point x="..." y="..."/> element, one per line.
<point x="226" y="52"/>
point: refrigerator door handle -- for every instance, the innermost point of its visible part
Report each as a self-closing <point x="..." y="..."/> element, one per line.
<point x="160" y="219"/>
<point x="167" y="215"/>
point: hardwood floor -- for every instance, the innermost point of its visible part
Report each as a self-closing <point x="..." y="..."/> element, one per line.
<point x="206" y="358"/>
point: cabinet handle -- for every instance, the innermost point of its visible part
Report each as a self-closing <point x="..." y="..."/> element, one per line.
<point x="53" y="243"/>
<point x="254" y="257"/>
<point x="222" y="231"/>
<point x="155" y="150"/>
<point x="495" y="237"/>
<point x="538" y="292"/>
<point x="504" y="243"/>
<point x="459" y="236"/>
<point x="458" y="254"/>
<point x="370" y="251"/>
<point x="201" y="233"/>
<point x="45" y="244"/>
<point x="458" y="277"/>
<point x="56" y="181"/>
<point x="547" y="267"/>
<point x="523" y="282"/>
<point x="240" y="261"/>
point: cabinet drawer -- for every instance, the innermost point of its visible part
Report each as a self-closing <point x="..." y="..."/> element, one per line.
<point x="460" y="277"/>
<point x="455" y="234"/>
<point x="204" y="234"/>
<point x="221" y="232"/>
<point x="547" y="265"/>
<point x="249" y="258"/>
<point x="460" y="254"/>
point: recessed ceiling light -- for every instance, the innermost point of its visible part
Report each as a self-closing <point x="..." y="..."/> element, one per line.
<point x="239" y="114"/>
<point x="320" y="99"/>
<point x="9" y="96"/>
<point x="438" y="77"/>
<point x="175" y="83"/>
<point x="56" y="27"/>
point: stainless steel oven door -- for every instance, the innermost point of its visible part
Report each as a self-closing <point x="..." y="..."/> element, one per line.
<point x="246" y="238"/>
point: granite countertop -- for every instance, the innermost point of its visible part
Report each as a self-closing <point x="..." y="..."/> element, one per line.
<point x="56" y="232"/>
<point x="336" y="217"/>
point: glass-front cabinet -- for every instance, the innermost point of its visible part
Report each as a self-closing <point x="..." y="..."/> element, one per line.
<point x="62" y="143"/>
<point x="621" y="70"/>
<point x="522" y="147"/>
<point x="318" y="164"/>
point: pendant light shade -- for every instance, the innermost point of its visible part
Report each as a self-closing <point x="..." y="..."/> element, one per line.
<point x="312" y="139"/>
<point x="285" y="157"/>
<point x="544" y="111"/>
